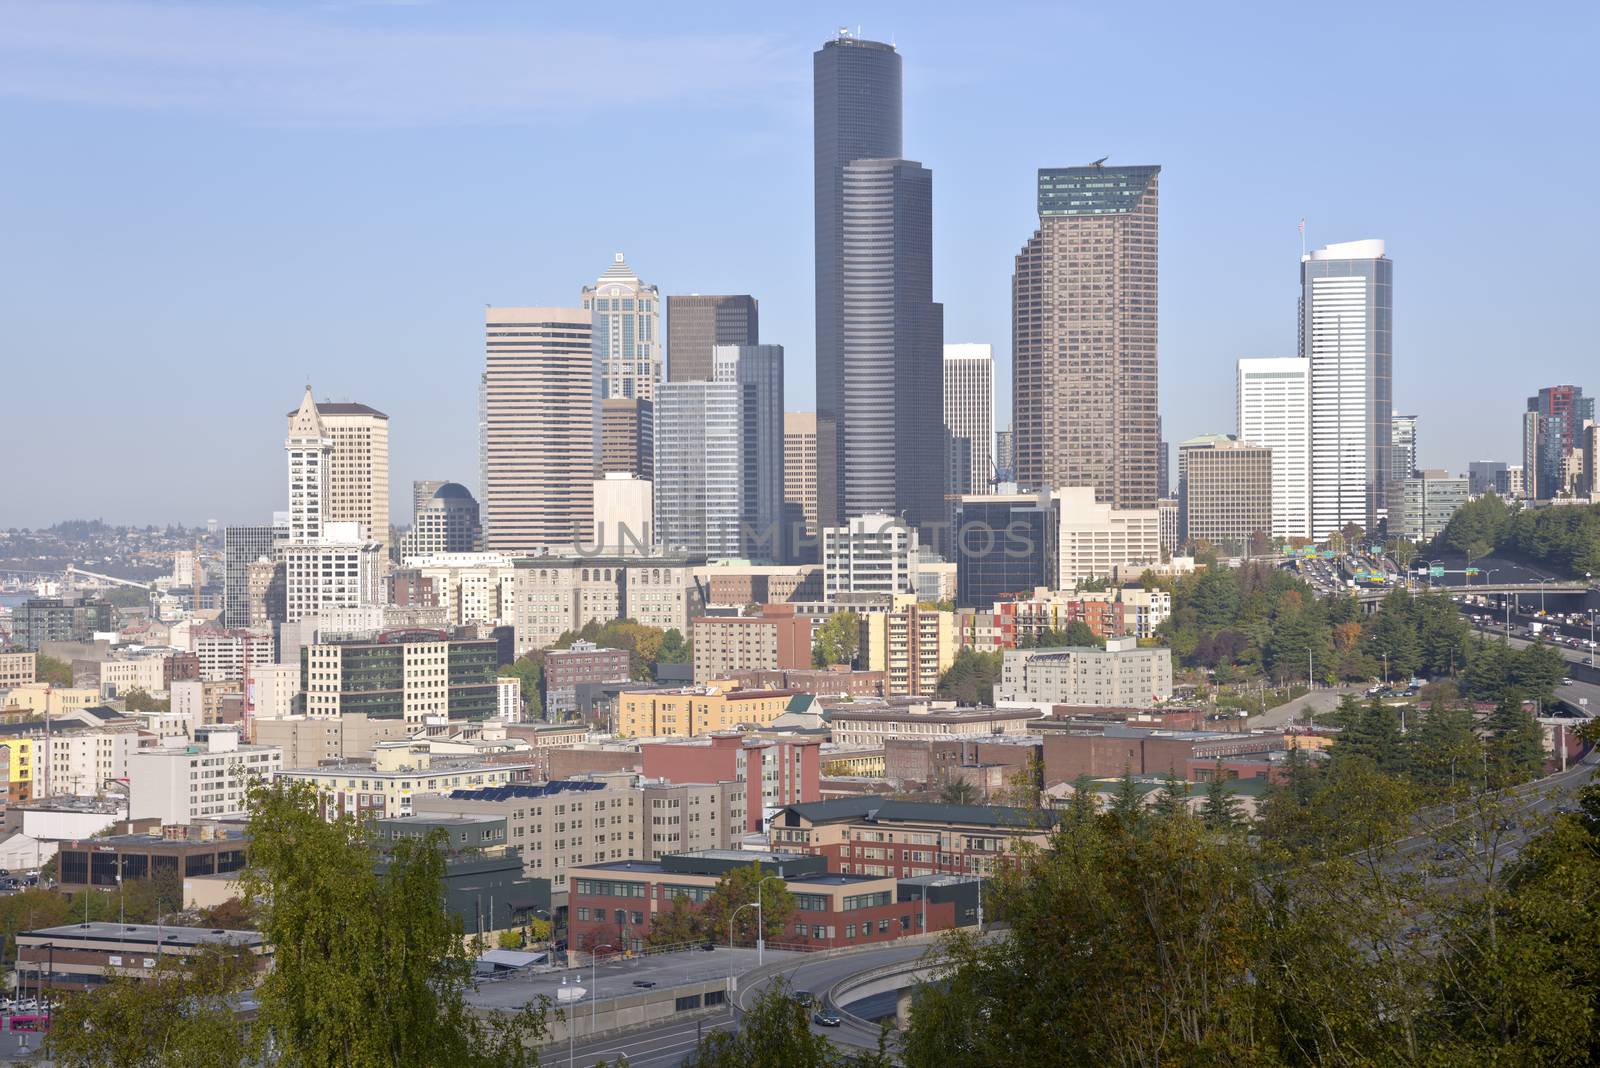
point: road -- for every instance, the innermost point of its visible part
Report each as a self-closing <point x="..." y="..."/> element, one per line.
<point x="1317" y="702"/>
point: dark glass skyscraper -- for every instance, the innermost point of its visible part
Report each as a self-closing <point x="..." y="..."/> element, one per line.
<point x="696" y="324"/>
<point x="856" y="97"/>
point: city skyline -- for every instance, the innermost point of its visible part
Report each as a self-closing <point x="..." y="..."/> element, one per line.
<point x="417" y="360"/>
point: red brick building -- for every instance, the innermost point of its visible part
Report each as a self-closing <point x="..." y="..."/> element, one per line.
<point x="818" y="682"/>
<point x="776" y="771"/>
<point x="777" y="639"/>
<point x="1108" y="753"/>
<point x="903" y="839"/>
<point x="584" y="662"/>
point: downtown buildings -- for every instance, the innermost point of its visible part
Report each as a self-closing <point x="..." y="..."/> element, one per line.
<point x="697" y="324"/>
<point x="969" y="417"/>
<point x="1084" y="336"/>
<point x="1553" y="441"/>
<point x="1274" y="412"/>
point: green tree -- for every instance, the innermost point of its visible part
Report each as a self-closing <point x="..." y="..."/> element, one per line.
<point x="837" y="640"/>
<point x="1173" y="801"/>
<point x="971" y="677"/>
<point x="137" y="700"/>
<point x="1372" y="732"/>
<point x="50" y="670"/>
<point x="178" y="1014"/>
<point x="738" y="887"/>
<point x="1537" y="670"/>
<point x="1220" y="809"/>
<point x="369" y="970"/>
<point x="1078" y="633"/>
<point x="959" y="792"/>
<point x="1515" y="743"/>
<point x="776" y="1033"/>
<point x="674" y="649"/>
<point x="1127" y="802"/>
<point x="678" y="925"/>
<point x="530" y="669"/>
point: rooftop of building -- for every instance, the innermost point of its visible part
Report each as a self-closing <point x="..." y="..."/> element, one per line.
<point x="653" y="867"/>
<point x="435" y="764"/>
<point x="109" y="806"/>
<point x="344" y="408"/>
<point x="925" y="714"/>
<point x="146" y="933"/>
<point x="880" y="809"/>
<point x="530" y="790"/>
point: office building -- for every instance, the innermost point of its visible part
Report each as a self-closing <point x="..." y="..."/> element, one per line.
<point x="1346" y="332"/>
<point x="1591" y="460"/>
<point x="1552" y="433"/>
<point x="241" y="547"/>
<point x="627" y="332"/>
<point x="410" y="675"/>
<point x="266" y="594"/>
<point x="696" y="710"/>
<point x="1098" y="540"/>
<point x="469" y="587"/>
<point x="541" y="421"/>
<point x="871" y="554"/>
<point x="696" y="324"/>
<point x="84" y="957"/>
<point x="913" y="646"/>
<point x="800" y="485"/>
<point x="719" y="457"/>
<point x="872" y="725"/>
<point x="1486" y="476"/>
<point x="358" y="469"/>
<point x="1402" y="447"/>
<point x="1121" y="675"/>
<point x="849" y="833"/>
<point x="1005" y="457"/>
<point x="627" y="437"/>
<point x="398" y="774"/>
<point x="73" y="618"/>
<point x="339" y="570"/>
<point x="225" y="655"/>
<point x="422" y="491"/>
<point x="447" y="522"/>
<point x="624" y="515"/>
<point x="1226" y="493"/>
<point x="1163" y="462"/>
<point x="555" y="595"/>
<point x="582" y="663"/>
<point x="727" y="645"/>
<point x="1005" y="547"/>
<point x="891" y="344"/>
<point x="969" y="417"/>
<point x="856" y="109"/>
<point x="1274" y="411"/>
<point x="209" y="779"/>
<point x="1421" y="506"/>
<point x="310" y="454"/>
<point x="17" y="669"/>
<point x="1167" y="512"/>
<point x="1084" y="333"/>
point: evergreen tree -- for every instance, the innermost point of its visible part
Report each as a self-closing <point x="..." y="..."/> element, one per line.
<point x="1173" y="799"/>
<point x="1126" y="802"/>
<point x="1220" y="809"/>
<point x="1515" y="742"/>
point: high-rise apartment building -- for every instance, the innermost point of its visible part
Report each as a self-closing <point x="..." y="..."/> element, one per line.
<point x="627" y="332"/>
<point x="1346" y="331"/>
<point x="1227" y="492"/>
<point x="800" y="484"/>
<point x="627" y="437"/>
<point x="1274" y="411"/>
<point x="541" y="424"/>
<point x="1084" y="334"/>
<point x="241" y="547"/>
<point x="719" y="457"/>
<point x="696" y="324"/>
<point x="891" y="345"/>
<point x="1552" y="434"/>
<point x="447" y="522"/>
<point x="1402" y="447"/>
<point x="856" y="102"/>
<point x="969" y="417"/>
<point x="871" y="554"/>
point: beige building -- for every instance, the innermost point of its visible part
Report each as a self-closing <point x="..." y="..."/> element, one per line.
<point x="727" y="645"/>
<point x="624" y="515"/>
<point x="271" y="689"/>
<point x="870" y="726"/>
<point x="556" y="825"/>
<point x="1226" y="492"/>
<point x="1084" y="325"/>
<point x="40" y="698"/>
<point x="1098" y="540"/>
<point x="684" y="817"/>
<point x="1121" y="675"/>
<point x="16" y="669"/>
<point x="398" y="773"/>
<point x="555" y="595"/>
<point x="307" y="742"/>
<point x="358" y="472"/>
<point x="147" y="673"/>
<point x="341" y="570"/>
<point x="471" y="587"/>
<point x="540" y="428"/>
<point x="696" y="710"/>
<point x="800" y="472"/>
<point x="911" y="645"/>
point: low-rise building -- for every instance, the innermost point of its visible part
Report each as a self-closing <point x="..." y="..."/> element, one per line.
<point x="1421" y="507"/>
<point x="398" y="774"/>
<point x="225" y="655"/>
<point x="774" y="772"/>
<point x="777" y="639"/>
<point x="836" y="681"/>
<point x="174" y="851"/>
<point x="120" y="675"/>
<point x="308" y="741"/>
<point x="1115" y="750"/>
<point x="84" y="956"/>
<point x="210" y="779"/>
<point x="872" y="725"/>
<point x="17" y="669"/>
<point x="880" y="836"/>
<point x="580" y="663"/>
<point x="696" y="710"/>
<point x="1120" y="674"/>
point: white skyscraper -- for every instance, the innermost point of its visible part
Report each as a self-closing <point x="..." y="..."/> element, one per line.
<point x="310" y="452"/>
<point x="328" y="563"/>
<point x="1347" y="332"/>
<point x="1274" y="410"/>
<point x="969" y="416"/>
<point x="627" y="332"/>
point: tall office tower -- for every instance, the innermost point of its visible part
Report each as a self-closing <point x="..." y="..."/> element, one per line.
<point x="358" y="467"/>
<point x="422" y="491"/>
<point x="696" y="324"/>
<point x="445" y="523"/>
<point x="1486" y="476"/>
<point x="719" y="457"/>
<point x="1402" y="447"/>
<point x="800" y="486"/>
<point x="856" y="102"/>
<point x="1005" y="456"/>
<point x="627" y="437"/>
<point x="627" y="332"/>
<point x="969" y="416"/>
<point x="1083" y="323"/>
<point x="1552" y="430"/>
<point x="1227" y="492"/>
<point x="891" y="345"/>
<point x="541" y="428"/>
<point x="310" y="452"/>
<point x="241" y="547"/>
<point x="1347" y="332"/>
<point x="1274" y="410"/>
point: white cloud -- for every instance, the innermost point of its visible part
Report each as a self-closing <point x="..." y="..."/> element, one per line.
<point x="334" y="66"/>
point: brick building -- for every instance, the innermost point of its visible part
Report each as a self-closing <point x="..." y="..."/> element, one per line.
<point x="930" y="761"/>
<point x="1116" y="749"/>
<point x="835" y="681"/>
<point x="695" y="710"/>
<point x="776" y="639"/>
<point x="583" y="662"/>
<point x="774" y="772"/>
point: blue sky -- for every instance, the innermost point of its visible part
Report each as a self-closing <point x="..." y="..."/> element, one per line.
<point x="206" y="202"/>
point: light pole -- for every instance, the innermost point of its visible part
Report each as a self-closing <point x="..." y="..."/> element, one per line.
<point x="731" y="917"/>
<point x="594" y="981"/>
<point x="761" y="926"/>
<point x="570" y="996"/>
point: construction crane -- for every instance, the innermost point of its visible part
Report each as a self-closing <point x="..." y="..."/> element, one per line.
<point x="194" y="582"/>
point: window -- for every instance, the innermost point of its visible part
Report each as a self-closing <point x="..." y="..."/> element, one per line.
<point x="850" y="929"/>
<point x="692" y="1001"/>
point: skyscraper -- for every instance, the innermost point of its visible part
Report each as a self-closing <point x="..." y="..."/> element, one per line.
<point x="1005" y="464"/>
<point x="1274" y="410"/>
<point x="1402" y="447"/>
<point x="243" y="546"/>
<point x="627" y="437"/>
<point x="969" y="416"/>
<point x="1346" y="331"/>
<point x="541" y="428"/>
<point x="719" y="457"/>
<point x="800" y="486"/>
<point x="358" y="475"/>
<point x="627" y="332"/>
<point x="696" y="324"/>
<point x="310" y="453"/>
<point x="856" y="101"/>
<point x="891" y="346"/>
<point x="447" y="522"/>
<point x="1084" y="326"/>
<point x="1552" y="432"/>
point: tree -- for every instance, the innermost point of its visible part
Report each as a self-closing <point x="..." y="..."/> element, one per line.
<point x="48" y="669"/>
<point x="971" y="677"/>
<point x="1515" y="742"/>
<point x="678" y="925"/>
<point x="1127" y="803"/>
<point x="1079" y="634"/>
<point x="1371" y="732"/>
<point x="369" y="969"/>
<point x="776" y="1033"/>
<point x="1173" y="801"/>
<point x="178" y="1014"/>
<point x="674" y="649"/>
<point x="837" y="640"/>
<point x="137" y="700"/>
<point x="959" y="792"/>
<point x="530" y="669"/>
<point x="738" y="887"/>
<point x="1220" y="809"/>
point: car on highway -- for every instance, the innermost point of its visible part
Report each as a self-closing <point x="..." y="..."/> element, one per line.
<point x="805" y="997"/>
<point x="644" y="984"/>
<point x="826" y="1018"/>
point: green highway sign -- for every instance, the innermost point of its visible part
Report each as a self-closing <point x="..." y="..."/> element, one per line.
<point x="1436" y="572"/>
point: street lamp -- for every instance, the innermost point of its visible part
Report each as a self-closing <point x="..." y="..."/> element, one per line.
<point x="570" y="995"/>
<point x="731" y="917"/>
<point x="761" y="926"/>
